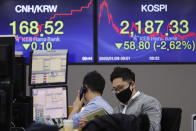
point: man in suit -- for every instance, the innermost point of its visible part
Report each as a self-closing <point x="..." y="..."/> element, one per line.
<point x="132" y="101"/>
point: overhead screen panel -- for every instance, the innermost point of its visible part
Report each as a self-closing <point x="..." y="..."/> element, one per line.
<point x="146" y="31"/>
<point x="48" y="25"/>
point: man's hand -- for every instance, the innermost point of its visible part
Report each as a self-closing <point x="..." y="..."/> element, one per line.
<point x="83" y="122"/>
<point x="77" y="105"/>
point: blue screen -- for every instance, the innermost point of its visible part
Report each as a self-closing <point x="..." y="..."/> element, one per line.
<point x="49" y="24"/>
<point x="146" y="31"/>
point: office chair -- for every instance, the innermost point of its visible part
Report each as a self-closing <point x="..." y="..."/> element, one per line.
<point x="118" y="122"/>
<point x="171" y="119"/>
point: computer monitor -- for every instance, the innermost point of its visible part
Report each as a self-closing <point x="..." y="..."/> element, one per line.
<point x="5" y="107"/>
<point x="22" y="109"/>
<point x="48" y="67"/>
<point x="7" y="47"/>
<point x="19" y="77"/>
<point x="50" y="102"/>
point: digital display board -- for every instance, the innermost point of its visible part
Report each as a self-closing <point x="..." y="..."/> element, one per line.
<point x="48" y="25"/>
<point x="146" y="31"/>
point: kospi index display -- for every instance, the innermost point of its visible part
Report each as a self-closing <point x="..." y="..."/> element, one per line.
<point x="146" y="31"/>
<point x="50" y="24"/>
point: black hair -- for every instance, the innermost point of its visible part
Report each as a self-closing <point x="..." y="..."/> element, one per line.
<point x="125" y="73"/>
<point x="94" y="81"/>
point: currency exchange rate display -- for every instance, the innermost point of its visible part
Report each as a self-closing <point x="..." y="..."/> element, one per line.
<point x="146" y="31"/>
<point x="50" y="24"/>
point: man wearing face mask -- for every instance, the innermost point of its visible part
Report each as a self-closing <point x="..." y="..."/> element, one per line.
<point x="94" y="85"/>
<point x="132" y="101"/>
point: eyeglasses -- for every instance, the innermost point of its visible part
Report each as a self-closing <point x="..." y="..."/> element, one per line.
<point x="119" y="89"/>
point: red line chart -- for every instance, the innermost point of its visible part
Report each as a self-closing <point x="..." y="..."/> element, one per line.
<point x="110" y="21"/>
<point x="60" y="14"/>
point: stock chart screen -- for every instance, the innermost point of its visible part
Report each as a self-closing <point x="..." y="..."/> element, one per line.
<point x="48" y="25"/>
<point x="146" y="31"/>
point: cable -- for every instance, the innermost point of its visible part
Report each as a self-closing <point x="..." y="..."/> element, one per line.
<point x="12" y="124"/>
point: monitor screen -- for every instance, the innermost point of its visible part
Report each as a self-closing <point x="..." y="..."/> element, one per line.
<point x="48" y="67"/>
<point x="50" y="24"/>
<point x="146" y="31"/>
<point x="50" y="102"/>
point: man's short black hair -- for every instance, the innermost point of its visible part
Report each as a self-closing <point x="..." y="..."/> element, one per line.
<point x="125" y="73"/>
<point x="95" y="81"/>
